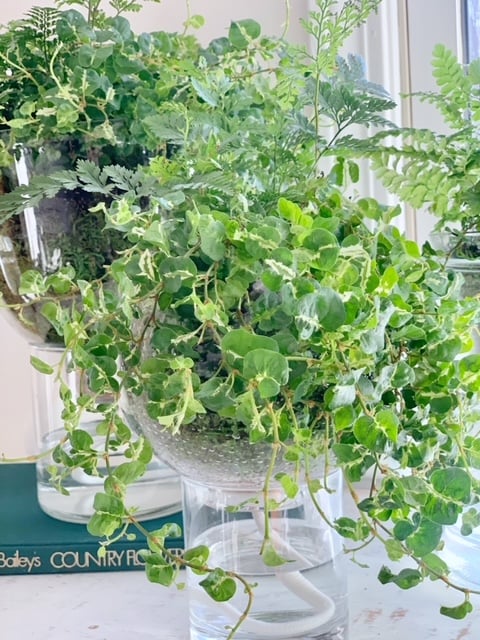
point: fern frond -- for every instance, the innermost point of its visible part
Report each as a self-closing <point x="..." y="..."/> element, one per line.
<point x="218" y="181"/>
<point x="352" y="71"/>
<point x="43" y="20"/>
<point x="123" y="178"/>
<point x="167" y="127"/>
<point x="431" y="170"/>
<point x="453" y="99"/>
<point x="345" y="106"/>
<point x="40" y="187"/>
<point x="41" y="23"/>
<point x="92" y="177"/>
<point x="331" y="23"/>
<point x="450" y="76"/>
<point x="418" y="182"/>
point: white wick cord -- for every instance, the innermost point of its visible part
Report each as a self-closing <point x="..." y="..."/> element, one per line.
<point x="323" y="605"/>
<point x="277" y="630"/>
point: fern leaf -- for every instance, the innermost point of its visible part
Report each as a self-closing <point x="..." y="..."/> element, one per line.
<point x="92" y="178"/>
<point x="123" y="178"/>
<point x="332" y="23"/>
<point x="352" y="70"/>
<point x="451" y="79"/>
<point x="43" y="20"/>
<point x="453" y="100"/>
<point x="15" y="202"/>
<point x="218" y="181"/>
<point x="166" y="127"/>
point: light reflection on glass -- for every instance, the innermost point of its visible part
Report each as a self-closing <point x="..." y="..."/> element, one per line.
<point x="472" y="29"/>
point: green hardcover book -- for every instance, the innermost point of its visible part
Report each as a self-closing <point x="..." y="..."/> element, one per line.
<point x="33" y="542"/>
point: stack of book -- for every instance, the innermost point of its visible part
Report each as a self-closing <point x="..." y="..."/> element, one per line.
<point x="33" y="542"/>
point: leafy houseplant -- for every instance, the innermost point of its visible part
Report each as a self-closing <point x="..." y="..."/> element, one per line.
<point x="441" y="170"/>
<point x="258" y="307"/>
<point x="76" y="87"/>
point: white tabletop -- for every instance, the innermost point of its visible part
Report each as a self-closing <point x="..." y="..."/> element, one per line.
<point x="125" y="606"/>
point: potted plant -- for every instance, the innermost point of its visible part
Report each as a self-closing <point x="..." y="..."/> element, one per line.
<point x="76" y="86"/>
<point x="264" y="329"/>
<point x="438" y="172"/>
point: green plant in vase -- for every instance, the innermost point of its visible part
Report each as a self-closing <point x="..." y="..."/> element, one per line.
<point x="263" y="329"/>
<point x="76" y="87"/>
<point x="439" y="171"/>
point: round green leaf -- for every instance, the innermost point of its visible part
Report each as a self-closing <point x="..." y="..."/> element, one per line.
<point x="403" y="529"/>
<point x="331" y="309"/>
<point x="242" y="32"/>
<point x="453" y="483"/>
<point x="41" y="366"/>
<point x="236" y="344"/>
<point x="159" y="570"/>
<point x="403" y="375"/>
<point x="129" y="472"/>
<point x="219" y="586"/>
<point x="268" y="388"/>
<point x="176" y="271"/>
<point x="212" y="237"/>
<point x="103" y="524"/>
<point x="459" y="612"/>
<point x="325" y="246"/>
<point x="425" y="539"/>
<point x="262" y="364"/>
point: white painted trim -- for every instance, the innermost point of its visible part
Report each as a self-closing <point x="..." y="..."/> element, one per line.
<point x="427" y="22"/>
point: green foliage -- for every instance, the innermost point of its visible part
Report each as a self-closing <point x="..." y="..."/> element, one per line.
<point x="219" y="585"/>
<point x="67" y="80"/>
<point x="459" y="612"/>
<point x="92" y="89"/>
<point x="405" y="579"/>
<point x="438" y="170"/>
<point x="96" y="16"/>
<point x="197" y="558"/>
<point x="357" y="333"/>
<point x="331" y="23"/>
<point x="258" y="299"/>
<point x="75" y="88"/>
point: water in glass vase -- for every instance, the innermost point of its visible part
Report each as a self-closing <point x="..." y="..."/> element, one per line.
<point x="154" y="495"/>
<point x="462" y="553"/>
<point x="304" y="596"/>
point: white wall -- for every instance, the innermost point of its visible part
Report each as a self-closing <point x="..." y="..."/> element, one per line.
<point x="170" y="14"/>
<point x="16" y="422"/>
<point x="16" y="425"/>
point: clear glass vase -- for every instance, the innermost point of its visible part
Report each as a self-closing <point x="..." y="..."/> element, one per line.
<point x="59" y="230"/>
<point x="156" y="494"/>
<point x="305" y="597"/>
<point x="462" y="553"/>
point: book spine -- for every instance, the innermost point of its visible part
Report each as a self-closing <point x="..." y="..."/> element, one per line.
<point x="76" y="558"/>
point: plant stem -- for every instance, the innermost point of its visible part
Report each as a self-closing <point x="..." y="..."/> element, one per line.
<point x="286" y="24"/>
